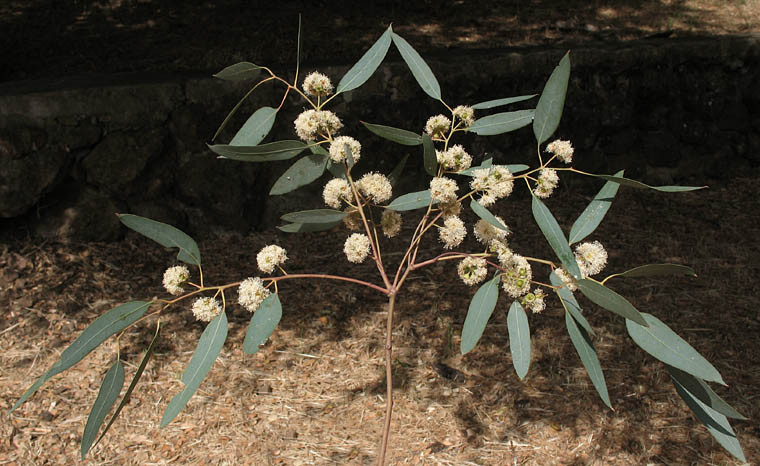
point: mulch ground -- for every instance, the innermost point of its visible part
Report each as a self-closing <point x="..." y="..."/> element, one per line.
<point x="315" y="392"/>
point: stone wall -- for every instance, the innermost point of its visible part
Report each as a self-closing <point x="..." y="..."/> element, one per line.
<point x="75" y="151"/>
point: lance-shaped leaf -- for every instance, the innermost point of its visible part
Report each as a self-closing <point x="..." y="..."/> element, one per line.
<point x="716" y="423"/>
<point x="608" y="299"/>
<point x="349" y="156"/>
<point x="307" y="227"/>
<point x="133" y="384"/>
<point x="500" y="123"/>
<point x="421" y="71"/>
<point x="263" y="323"/>
<point x="654" y="270"/>
<point x="165" y="235"/>
<point x="588" y="355"/>
<point x="486" y="215"/>
<point x="552" y="101"/>
<point x="570" y="304"/>
<point x="242" y="71"/>
<point x="367" y="64"/>
<point x="502" y="102"/>
<point x="395" y="175"/>
<point x="411" y="201"/>
<point x="519" y="338"/>
<point x="400" y="136"/>
<point x="273" y="151"/>
<point x="701" y="391"/>
<point x="665" y="345"/>
<point x="639" y="185"/>
<point x="429" y="157"/>
<point x="554" y="235"/>
<point x="481" y="308"/>
<point x="255" y="128"/>
<point x="594" y="213"/>
<point x="209" y="346"/>
<point x="113" y="321"/>
<point x="301" y="173"/>
<point x="315" y="216"/>
<point x="109" y="392"/>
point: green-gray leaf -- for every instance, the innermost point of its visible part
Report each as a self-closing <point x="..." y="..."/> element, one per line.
<point x="486" y="215"/>
<point x="273" y="151"/>
<point x="400" y="136"/>
<point x="242" y="71"/>
<point x="552" y="101"/>
<point x="639" y="185"/>
<point x="554" y="235"/>
<point x="411" y="201"/>
<point x="395" y="175"/>
<point x="588" y="355"/>
<point x="421" y="71"/>
<point x="263" y="323"/>
<point x="429" y="157"/>
<point x="716" y="423"/>
<point x="519" y="338"/>
<point x="165" y="235"/>
<point x="301" y="173"/>
<point x="570" y="304"/>
<point x="665" y="345"/>
<point x="314" y="216"/>
<point x="255" y="128"/>
<point x="209" y="346"/>
<point x="608" y="299"/>
<point x="367" y="64"/>
<point x="701" y="391"/>
<point x="592" y="216"/>
<point x="501" y="102"/>
<point x="652" y="270"/>
<point x="109" y="392"/>
<point x="307" y="227"/>
<point x="486" y="164"/>
<point x="500" y="123"/>
<point x="113" y="321"/>
<point x="480" y="310"/>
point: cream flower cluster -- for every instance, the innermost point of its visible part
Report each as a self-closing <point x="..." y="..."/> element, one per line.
<point x="517" y="276"/>
<point x="338" y="149"/>
<point x="455" y="158"/>
<point x="591" y="257"/>
<point x="317" y="84"/>
<point x="205" y="309"/>
<point x="453" y="232"/>
<point x="562" y="149"/>
<point x="270" y="257"/>
<point x="437" y="126"/>
<point x="174" y="278"/>
<point x="313" y="123"/>
<point x="494" y="183"/>
<point x="535" y="301"/>
<point x="567" y="280"/>
<point x="391" y="223"/>
<point x="336" y="190"/>
<point x="503" y="253"/>
<point x="443" y="189"/>
<point x="376" y="187"/>
<point x="472" y="270"/>
<point x="547" y="181"/>
<point x="486" y="233"/>
<point x="356" y="248"/>
<point x="251" y="293"/>
<point x="465" y="113"/>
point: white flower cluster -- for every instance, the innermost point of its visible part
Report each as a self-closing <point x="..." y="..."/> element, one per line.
<point x="503" y="253"/>
<point x="465" y="113"/>
<point x="313" y="123"/>
<point x="452" y="233"/>
<point x="270" y="257"/>
<point x="472" y="270"/>
<point x="174" y="278"/>
<point x="562" y="149"/>
<point x="437" y="126"/>
<point x="455" y="158"/>
<point x="356" y="248"/>
<point x="591" y="259"/>
<point x="251" y="293"/>
<point x="535" y="301"/>
<point x="317" y="84"/>
<point x="494" y="182"/>
<point x="443" y="189"/>
<point x="517" y="275"/>
<point x="567" y="280"/>
<point x="376" y="187"/>
<point x="547" y="181"/>
<point x="338" y="149"/>
<point x="205" y="309"/>
<point x="336" y="190"/>
<point x="391" y="223"/>
<point x="487" y="233"/>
